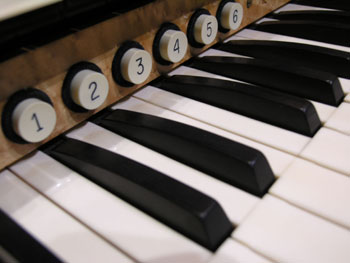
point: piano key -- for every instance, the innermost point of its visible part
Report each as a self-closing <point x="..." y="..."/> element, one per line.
<point x="259" y="103"/>
<point x="324" y="111"/>
<point x="275" y="137"/>
<point x="319" y="86"/>
<point x="235" y="202"/>
<point x="285" y="233"/>
<point x="234" y="252"/>
<point x="316" y="189"/>
<point x="347" y="98"/>
<point x="298" y="7"/>
<point x="333" y="33"/>
<point x="315" y="57"/>
<point x="330" y="149"/>
<point x="340" y="120"/>
<point x="314" y="15"/>
<point x="48" y="224"/>
<point x="162" y="197"/>
<point x="16" y="245"/>
<point x="10" y="8"/>
<point x="334" y="4"/>
<point x="278" y="160"/>
<point x="136" y="234"/>
<point x="229" y="161"/>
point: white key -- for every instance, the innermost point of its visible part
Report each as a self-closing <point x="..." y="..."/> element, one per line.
<point x="236" y="203"/>
<point x="285" y="233"/>
<point x="340" y="120"/>
<point x="33" y="120"/>
<point x="297" y="7"/>
<point x="232" y="251"/>
<point x="347" y="98"/>
<point x="173" y="45"/>
<point x="278" y="160"/>
<point x="316" y="189"/>
<point x="330" y="149"/>
<point x="324" y="111"/>
<point x="64" y="236"/>
<point x="12" y="8"/>
<point x="89" y="89"/>
<point x="270" y="135"/>
<point x="130" y="230"/>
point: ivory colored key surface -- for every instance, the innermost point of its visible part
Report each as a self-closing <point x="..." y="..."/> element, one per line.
<point x="316" y="189"/>
<point x="231" y="16"/>
<point x="233" y="252"/>
<point x="267" y="134"/>
<point x="278" y="160"/>
<point x="347" y="98"/>
<point x="141" y="237"/>
<point x="330" y="149"/>
<point x="62" y="234"/>
<point x="136" y="65"/>
<point x="340" y="119"/>
<point x="295" y="7"/>
<point x="235" y="202"/>
<point x="12" y="8"/>
<point x="205" y="29"/>
<point x="173" y="45"/>
<point x="285" y="233"/>
<point x="89" y="89"/>
<point x="33" y="120"/>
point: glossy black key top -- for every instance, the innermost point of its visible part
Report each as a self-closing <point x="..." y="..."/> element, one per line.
<point x="303" y="82"/>
<point x="229" y="161"/>
<point x="297" y="54"/>
<point x="332" y="33"/>
<point x="16" y="244"/>
<point x="340" y="17"/>
<point x="181" y="207"/>
<point x="332" y="4"/>
<point x="263" y="104"/>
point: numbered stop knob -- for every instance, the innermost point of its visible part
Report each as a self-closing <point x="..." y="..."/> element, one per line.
<point x="28" y="116"/>
<point x="89" y="89"/>
<point x="230" y="15"/>
<point x="202" y="28"/>
<point x="173" y="45"/>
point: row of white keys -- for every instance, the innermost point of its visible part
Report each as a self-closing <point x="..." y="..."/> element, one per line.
<point x="267" y="134"/>
<point x="138" y="235"/>
<point x="313" y="180"/>
<point x="285" y="233"/>
<point x="59" y="232"/>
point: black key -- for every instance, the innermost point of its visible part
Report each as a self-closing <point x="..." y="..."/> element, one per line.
<point x="17" y="244"/>
<point x="340" y="17"/>
<point x="332" y="33"/>
<point x="303" y="82"/>
<point x="229" y="161"/>
<point x="296" y="54"/>
<point x="332" y="4"/>
<point x="263" y="104"/>
<point x="181" y="207"/>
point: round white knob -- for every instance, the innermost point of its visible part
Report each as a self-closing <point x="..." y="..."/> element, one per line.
<point x="89" y="89"/>
<point x="34" y="120"/>
<point x="231" y="16"/>
<point x="205" y="29"/>
<point x="173" y="45"/>
<point x="136" y="65"/>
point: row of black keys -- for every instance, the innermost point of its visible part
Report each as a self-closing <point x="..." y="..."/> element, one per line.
<point x="235" y="164"/>
<point x="46" y="24"/>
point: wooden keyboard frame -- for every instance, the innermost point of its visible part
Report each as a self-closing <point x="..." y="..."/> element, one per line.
<point x="45" y="68"/>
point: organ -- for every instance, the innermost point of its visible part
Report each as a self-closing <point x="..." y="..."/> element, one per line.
<point x="67" y="85"/>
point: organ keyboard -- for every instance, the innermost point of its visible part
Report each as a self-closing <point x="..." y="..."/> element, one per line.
<point x="173" y="172"/>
